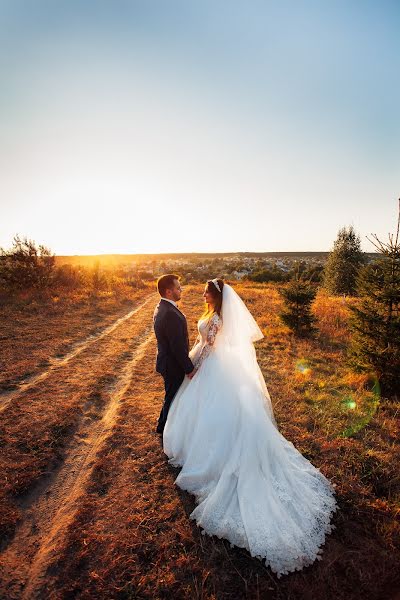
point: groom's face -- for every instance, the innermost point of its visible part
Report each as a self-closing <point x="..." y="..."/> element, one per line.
<point x="176" y="291"/>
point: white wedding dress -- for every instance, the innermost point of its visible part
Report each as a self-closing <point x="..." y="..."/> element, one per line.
<point x="252" y="487"/>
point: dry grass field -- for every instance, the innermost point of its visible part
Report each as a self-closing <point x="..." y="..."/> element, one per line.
<point x="88" y="505"/>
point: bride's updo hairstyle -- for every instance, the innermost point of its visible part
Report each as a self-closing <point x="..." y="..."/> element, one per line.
<point x="217" y="297"/>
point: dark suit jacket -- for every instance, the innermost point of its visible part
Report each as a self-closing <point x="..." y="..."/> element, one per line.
<point x="171" y="332"/>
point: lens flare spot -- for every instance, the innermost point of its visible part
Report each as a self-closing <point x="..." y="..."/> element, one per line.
<point x="348" y="403"/>
<point x="302" y="367"/>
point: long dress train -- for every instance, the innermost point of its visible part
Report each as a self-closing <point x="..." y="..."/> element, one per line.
<point x="252" y="486"/>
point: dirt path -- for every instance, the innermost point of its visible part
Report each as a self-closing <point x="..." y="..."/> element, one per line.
<point x="50" y="505"/>
<point x="57" y="362"/>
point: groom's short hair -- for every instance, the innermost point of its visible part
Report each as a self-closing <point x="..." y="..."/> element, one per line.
<point x="166" y="282"/>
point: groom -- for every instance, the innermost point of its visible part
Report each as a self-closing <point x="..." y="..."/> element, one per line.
<point x="171" y="331"/>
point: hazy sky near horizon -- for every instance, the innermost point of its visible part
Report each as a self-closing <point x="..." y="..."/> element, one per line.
<point x="169" y="126"/>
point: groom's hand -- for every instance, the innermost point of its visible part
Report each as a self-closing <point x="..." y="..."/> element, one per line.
<point x="191" y="374"/>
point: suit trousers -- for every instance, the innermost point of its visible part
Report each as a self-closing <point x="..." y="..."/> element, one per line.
<point x="171" y="387"/>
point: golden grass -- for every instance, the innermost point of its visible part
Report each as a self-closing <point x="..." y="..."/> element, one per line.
<point x="131" y="536"/>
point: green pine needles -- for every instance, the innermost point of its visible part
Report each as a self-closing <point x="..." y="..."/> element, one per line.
<point x="298" y="297"/>
<point x="343" y="263"/>
<point x="375" y="321"/>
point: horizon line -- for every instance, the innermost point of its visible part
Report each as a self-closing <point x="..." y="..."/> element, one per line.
<point x="297" y="252"/>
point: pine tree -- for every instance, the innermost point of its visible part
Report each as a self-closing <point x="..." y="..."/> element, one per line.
<point x="375" y="322"/>
<point x="298" y="296"/>
<point x="343" y="263"/>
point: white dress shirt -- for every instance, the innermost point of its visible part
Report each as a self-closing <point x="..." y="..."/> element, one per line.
<point x="172" y="302"/>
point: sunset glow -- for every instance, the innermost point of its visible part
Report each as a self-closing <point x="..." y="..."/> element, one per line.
<point x="130" y="127"/>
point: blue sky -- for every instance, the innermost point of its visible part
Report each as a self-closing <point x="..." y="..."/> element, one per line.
<point x="160" y="126"/>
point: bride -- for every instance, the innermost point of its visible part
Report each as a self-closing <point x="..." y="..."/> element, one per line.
<point x="252" y="487"/>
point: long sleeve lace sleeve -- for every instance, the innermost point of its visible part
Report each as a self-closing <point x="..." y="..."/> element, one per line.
<point x="213" y="328"/>
<point x="198" y="339"/>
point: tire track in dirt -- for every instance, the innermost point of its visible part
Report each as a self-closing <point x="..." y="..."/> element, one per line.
<point x="50" y="507"/>
<point x="56" y="362"/>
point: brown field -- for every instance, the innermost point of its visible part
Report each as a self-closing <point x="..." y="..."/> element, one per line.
<point x="88" y="505"/>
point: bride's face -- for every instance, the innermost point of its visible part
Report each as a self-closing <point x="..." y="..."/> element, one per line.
<point x="208" y="297"/>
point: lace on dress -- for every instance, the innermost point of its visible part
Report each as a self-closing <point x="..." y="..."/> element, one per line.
<point x="214" y="325"/>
